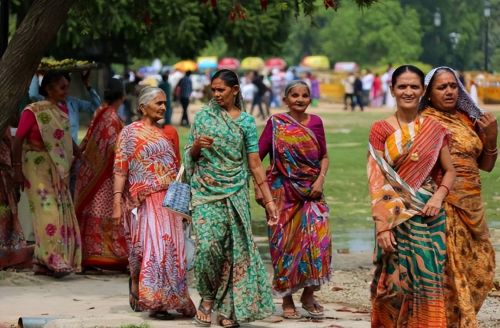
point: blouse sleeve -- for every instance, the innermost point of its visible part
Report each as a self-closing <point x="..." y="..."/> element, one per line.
<point x="266" y="140"/>
<point x="377" y="136"/>
<point x="26" y="123"/>
<point x="250" y="135"/>
<point x="123" y="152"/>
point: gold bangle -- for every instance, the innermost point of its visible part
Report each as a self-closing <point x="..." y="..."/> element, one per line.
<point x="269" y="201"/>
<point x="487" y="151"/>
<point x="117" y="192"/>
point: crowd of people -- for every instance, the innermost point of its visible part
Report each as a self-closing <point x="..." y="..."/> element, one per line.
<point x="434" y="262"/>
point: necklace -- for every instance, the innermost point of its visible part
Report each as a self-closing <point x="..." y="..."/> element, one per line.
<point x="414" y="157"/>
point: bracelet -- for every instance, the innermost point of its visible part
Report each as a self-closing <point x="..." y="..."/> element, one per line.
<point x="487" y="151"/>
<point x="117" y="192"/>
<point x="447" y="189"/>
<point x="261" y="183"/>
<point x="269" y="201"/>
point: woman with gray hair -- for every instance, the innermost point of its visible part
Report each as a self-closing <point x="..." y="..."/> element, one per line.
<point x="470" y="265"/>
<point x="145" y="165"/>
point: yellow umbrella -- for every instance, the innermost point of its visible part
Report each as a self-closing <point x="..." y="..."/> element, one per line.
<point x="186" y="65"/>
<point x="252" y="63"/>
<point x="316" y="62"/>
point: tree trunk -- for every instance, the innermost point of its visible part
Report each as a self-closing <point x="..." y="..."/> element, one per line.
<point x="25" y="51"/>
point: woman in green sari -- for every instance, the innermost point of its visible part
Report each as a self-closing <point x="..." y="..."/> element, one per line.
<point x="222" y="148"/>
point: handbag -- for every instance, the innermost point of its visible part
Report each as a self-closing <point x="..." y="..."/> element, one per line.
<point x="178" y="197"/>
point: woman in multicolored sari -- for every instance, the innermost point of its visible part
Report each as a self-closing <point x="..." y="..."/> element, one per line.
<point x="222" y="148"/>
<point x="300" y="243"/>
<point x="409" y="174"/>
<point x="42" y="157"/>
<point x="145" y="165"/>
<point x="470" y="266"/>
<point x="103" y="239"/>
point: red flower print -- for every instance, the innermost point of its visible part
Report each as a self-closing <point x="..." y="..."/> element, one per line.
<point x="50" y="229"/>
<point x="58" y="134"/>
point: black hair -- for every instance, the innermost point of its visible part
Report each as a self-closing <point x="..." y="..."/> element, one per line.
<point x="230" y="79"/>
<point x="114" y="91"/>
<point x="188" y="73"/>
<point x="49" y="78"/>
<point x="407" y="68"/>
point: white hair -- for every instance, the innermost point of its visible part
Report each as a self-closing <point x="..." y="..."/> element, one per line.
<point x="148" y="94"/>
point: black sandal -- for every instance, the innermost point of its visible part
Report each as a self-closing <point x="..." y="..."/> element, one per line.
<point x="134" y="302"/>
<point x="161" y="315"/>
<point x="202" y="323"/>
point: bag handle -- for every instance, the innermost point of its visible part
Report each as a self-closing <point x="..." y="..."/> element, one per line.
<point x="179" y="175"/>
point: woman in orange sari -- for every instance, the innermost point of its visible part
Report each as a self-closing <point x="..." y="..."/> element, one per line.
<point x="409" y="174"/>
<point x="470" y="266"/>
<point x="103" y="240"/>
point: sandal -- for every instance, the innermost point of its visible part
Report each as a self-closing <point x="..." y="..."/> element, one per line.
<point x="229" y="323"/>
<point x="161" y="315"/>
<point x="208" y="312"/>
<point x="313" y="310"/>
<point x="134" y="301"/>
<point x="291" y="314"/>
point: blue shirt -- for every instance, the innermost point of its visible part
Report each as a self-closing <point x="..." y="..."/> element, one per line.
<point x="77" y="105"/>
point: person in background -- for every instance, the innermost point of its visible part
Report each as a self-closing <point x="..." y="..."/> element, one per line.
<point x="43" y="151"/>
<point x="348" y="84"/>
<point x="410" y="172"/>
<point x="367" y="80"/>
<point x="185" y="89"/>
<point x="103" y="240"/>
<point x="300" y="244"/>
<point x="165" y="86"/>
<point x="376" y="94"/>
<point x="470" y="263"/>
<point x="221" y="152"/>
<point x="258" y="97"/>
<point x="358" y="93"/>
<point x="145" y="165"/>
<point x="315" y="91"/>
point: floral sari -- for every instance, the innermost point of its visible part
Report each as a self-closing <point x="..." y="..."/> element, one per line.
<point x="57" y="235"/>
<point x="470" y="267"/>
<point x="104" y="243"/>
<point x="407" y="289"/>
<point x="300" y="244"/>
<point x="155" y="236"/>
<point x="228" y="266"/>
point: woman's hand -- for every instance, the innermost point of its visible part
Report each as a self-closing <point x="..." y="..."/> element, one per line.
<point x="204" y="141"/>
<point x="433" y="206"/>
<point x="19" y="178"/>
<point x="488" y="127"/>
<point x="117" y="208"/>
<point x="259" y="197"/>
<point x="272" y="213"/>
<point x="387" y="241"/>
<point x="317" y="188"/>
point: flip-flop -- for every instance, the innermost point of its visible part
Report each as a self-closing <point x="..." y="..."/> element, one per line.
<point x="161" y="315"/>
<point x="230" y="323"/>
<point x="292" y="315"/>
<point x="202" y="323"/>
<point x="316" y="304"/>
<point x="313" y="311"/>
<point x="134" y="303"/>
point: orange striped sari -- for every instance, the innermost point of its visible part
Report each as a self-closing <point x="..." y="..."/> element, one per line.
<point x="407" y="289"/>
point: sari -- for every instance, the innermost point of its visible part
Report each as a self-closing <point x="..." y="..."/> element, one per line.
<point x="407" y="289"/>
<point x="12" y="242"/>
<point x="155" y="236"/>
<point x="300" y="244"/>
<point x="103" y="239"/>
<point x="228" y="267"/>
<point x="470" y="267"/>
<point x="46" y="170"/>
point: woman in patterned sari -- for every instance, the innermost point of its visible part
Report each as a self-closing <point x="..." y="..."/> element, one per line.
<point x="409" y="175"/>
<point x="42" y="156"/>
<point x="144" y="167"/>
<point x="470" y="266"/>
<point x="222" y="148"/>
<point x="300" y="243"/>
<point x="103" y="239"/>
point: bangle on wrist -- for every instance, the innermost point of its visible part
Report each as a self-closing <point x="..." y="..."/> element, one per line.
<point x="268" y="202"/>
<point x="117" y="192"/>
<point x="447" y="189"/>
<point x="261" y="183"/>
<point x="493" y="151"/>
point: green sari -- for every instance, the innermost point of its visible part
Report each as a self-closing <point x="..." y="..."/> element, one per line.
<point x="228" y="266"/>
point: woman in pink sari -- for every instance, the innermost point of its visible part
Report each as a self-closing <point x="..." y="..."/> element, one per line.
<point x="145" y="165"/>
<point x="300" y="243"/>
<point x="103" y="240"/>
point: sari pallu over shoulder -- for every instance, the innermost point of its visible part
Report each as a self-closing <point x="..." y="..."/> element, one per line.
<point x="407" y="290"/>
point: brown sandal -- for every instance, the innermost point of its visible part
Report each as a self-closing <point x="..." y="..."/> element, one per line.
<point x="199" y="322"/>
<point x="229" y="323"/>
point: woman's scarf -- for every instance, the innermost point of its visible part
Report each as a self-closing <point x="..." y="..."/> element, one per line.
<point x="464" y="101"/>
<point x="222" y="169"/>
